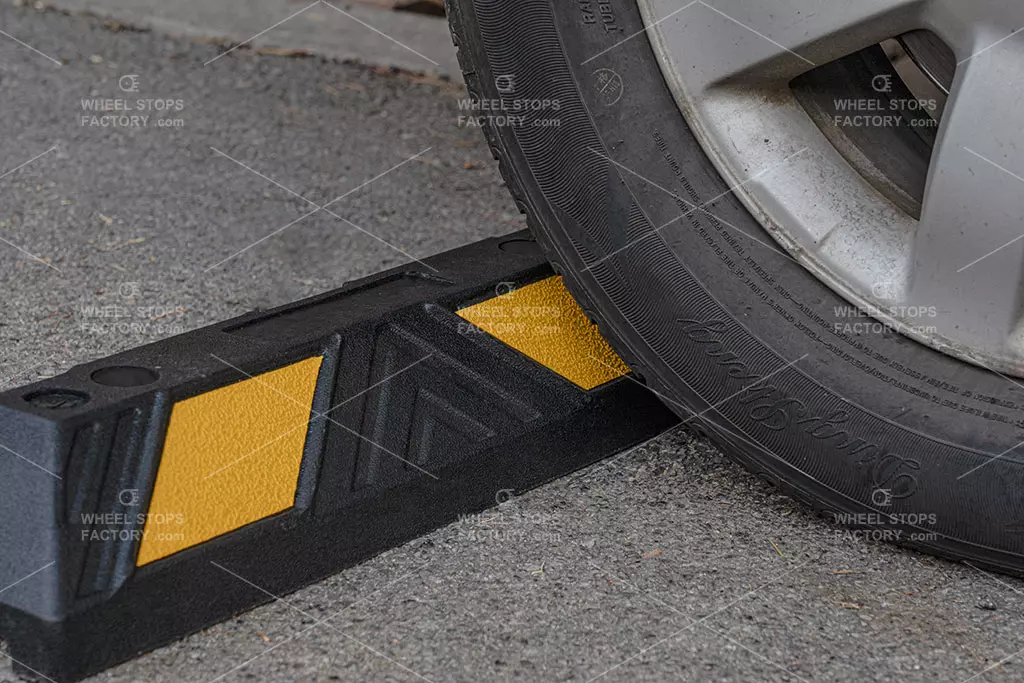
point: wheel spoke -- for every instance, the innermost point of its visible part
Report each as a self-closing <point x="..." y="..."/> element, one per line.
<point x="773" y="40"/>
<point x="975" y="27"/>
<point x="969" y="248"/>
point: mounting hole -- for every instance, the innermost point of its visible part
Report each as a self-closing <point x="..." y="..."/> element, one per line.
<point x="519" y="246"/>
<point x="57" y="399"/>
<point x="124" y="376"/>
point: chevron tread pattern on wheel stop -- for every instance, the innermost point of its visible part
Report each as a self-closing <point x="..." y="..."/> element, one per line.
<point x="287" y="445"/>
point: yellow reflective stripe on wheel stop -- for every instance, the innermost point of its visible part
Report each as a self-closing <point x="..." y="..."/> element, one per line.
<point x="544" y="322"/>
<point x="231" y="457"/>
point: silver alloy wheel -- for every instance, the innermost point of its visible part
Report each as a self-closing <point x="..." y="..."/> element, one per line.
<point x="952" y="279"/>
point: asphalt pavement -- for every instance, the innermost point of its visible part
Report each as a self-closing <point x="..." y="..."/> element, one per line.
<point x="665" y="563"/>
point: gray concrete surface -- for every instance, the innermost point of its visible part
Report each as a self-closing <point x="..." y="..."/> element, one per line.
<point x="335" y="29"/>
<point x="665" y="563"/>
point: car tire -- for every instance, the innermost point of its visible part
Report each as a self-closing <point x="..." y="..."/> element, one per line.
<point x="881" y="433"/>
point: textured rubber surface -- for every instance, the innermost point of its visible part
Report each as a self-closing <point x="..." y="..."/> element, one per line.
<point x="877" y="430"/>
<point x="409" y="418"/>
